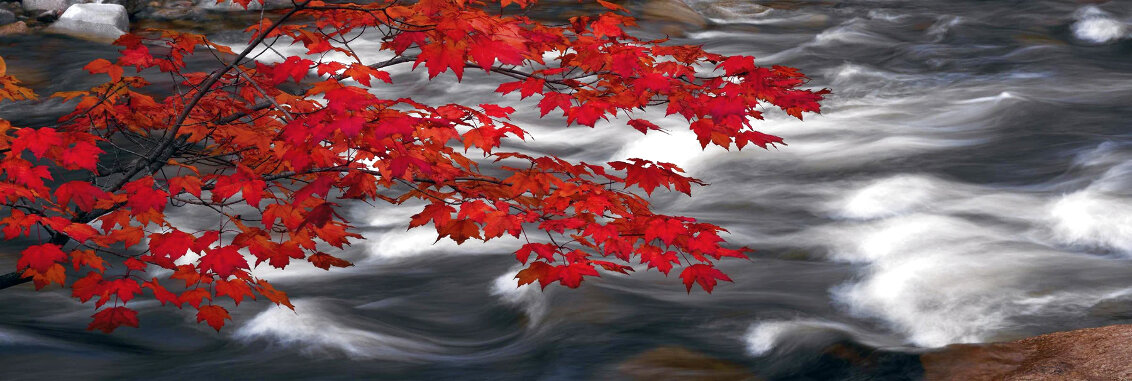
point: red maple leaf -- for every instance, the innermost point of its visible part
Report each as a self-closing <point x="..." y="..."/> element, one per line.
<point x="704" y="275"/>
<point x="110" y="319"/>
<point x="223" y="261"/>
<point x="213" y="315"/>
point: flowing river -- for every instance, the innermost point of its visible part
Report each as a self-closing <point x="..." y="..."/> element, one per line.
<point x="970" y="180"/>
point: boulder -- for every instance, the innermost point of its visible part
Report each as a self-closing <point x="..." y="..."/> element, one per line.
<point x="676" y="363"/>
<point x="48" y="5"/>
<point x="7" y="17"/>
<point x="230" y="5"/>
<point x="1103" y="353"/>
<point x="675" y="16"/>
<point x="18" y="27"/>
<point x="132" y="6"/>
<point x="93" y="21"/>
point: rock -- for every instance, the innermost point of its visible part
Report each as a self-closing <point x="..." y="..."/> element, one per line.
<point x="167" y="10"/>
<point x="7" y="17"/>
<point x="676" y="363"/>
<point x="673" y="11"/>
<point x="230" y="5"/>
<point x="94" y="21"/>
<point x="47" y="16"/>
<point x="132" y="6"/>
<point x="48" y="5"/>
<point x="1088" y="354"/>
<point x="676" y="17"/>
<point x="18" y="27"/>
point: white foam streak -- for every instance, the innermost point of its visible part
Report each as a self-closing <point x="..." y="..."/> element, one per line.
<point x="529" y="298"/>
<point x="1093" y="219"/>
<point x="1099" y="27"/>
<point x="311" y="329"/>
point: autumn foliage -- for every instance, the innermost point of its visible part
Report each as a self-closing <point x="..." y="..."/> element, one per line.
<point x="273" y="146"/>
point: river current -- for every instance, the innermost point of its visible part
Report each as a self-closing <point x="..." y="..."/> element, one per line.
<point x="970" y="180"/>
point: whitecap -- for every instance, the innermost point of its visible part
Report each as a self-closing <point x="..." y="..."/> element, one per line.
<point x="312" y="329"/>
<point x="529" y="298"/>
<point x="1093" y="219"/>
<point x="889" y="197"/>
<point x="1097" y="26"/>
<point x="776" y="335"/>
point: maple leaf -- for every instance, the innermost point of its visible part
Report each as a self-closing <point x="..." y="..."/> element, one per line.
<point x="275" y="296"/>
<point x="54" y="274"/>
<point x="24" y="173"/>
<point x="704" y="275"/>
<point x="659" y="259"/>
<point x="459" y="230"/>
<point x="236" y="289"/>
<point x="223" y="261"/>
<point x="36" y="140"/>
<point x="143" y="196"/>
<point x="101" y="65"/>
<point x="40" y="257"/>
<point x="319" y="216"/>
<point x="666" y="229"/>
<point x="543" y="250"/>
<point x="551" y="101"/>
<point x="87" y="258"/>
<point x="213" y="315"/>
<point x="123" y="288"/>
<point x="438" y="212"/>
<point x="643" y="126"/>
<point x="325" y="261"/>
<point x="161" y="294"/>
<point x="190" y="184"/>
<point x="194" y="297"/>
<point x="571" y="275"/>
<point x="542" y="272"/>
<point x="439" y="57"/>
<point x="171" y="245"/>
<point x="737" y="65"/>
<point x="84" y="194"/>
<point x="363" y="73"/>
<point x="88" y="287"/>
<point x="110" y="319"/>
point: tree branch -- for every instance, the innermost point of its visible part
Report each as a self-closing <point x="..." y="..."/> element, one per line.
<point x="12" y="279"/>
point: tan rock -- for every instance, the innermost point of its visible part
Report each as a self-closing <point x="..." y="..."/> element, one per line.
<point x="18" y="27"/>
<point x="674" y="16"/>
<point x="676" y="363"/>
<point x="1103" y="353"/>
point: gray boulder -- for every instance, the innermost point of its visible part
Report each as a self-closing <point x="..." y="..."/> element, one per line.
<point x="93" y="21"/>
<point x="48" y="5"/>
<point x="229" y="5"/>
<point x="7" y="17"/>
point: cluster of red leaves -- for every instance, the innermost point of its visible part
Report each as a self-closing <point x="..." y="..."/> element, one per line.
<point x="241" y="142"/>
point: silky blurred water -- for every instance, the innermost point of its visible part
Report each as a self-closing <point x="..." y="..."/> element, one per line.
<point x="970" y="180"/>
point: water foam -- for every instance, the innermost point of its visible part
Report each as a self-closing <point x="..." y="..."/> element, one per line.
<point x="947" y="262"/>
<point x="1097" y="26"/>
<point x="1093" y="219"/>
<point x="312" y="329"/>
<point x="889" y="197"/>
<point x="529" y="298"/>
<point x="765" y="336"/>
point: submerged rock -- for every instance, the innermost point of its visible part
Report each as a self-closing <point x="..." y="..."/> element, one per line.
<point x="93" y="21"/>
<point x="676" y="363"/>
<point x="18" y="27"/>
<point x="1103" y="353"/>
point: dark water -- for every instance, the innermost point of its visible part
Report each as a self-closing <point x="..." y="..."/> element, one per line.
<point x="969" y="181"/>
